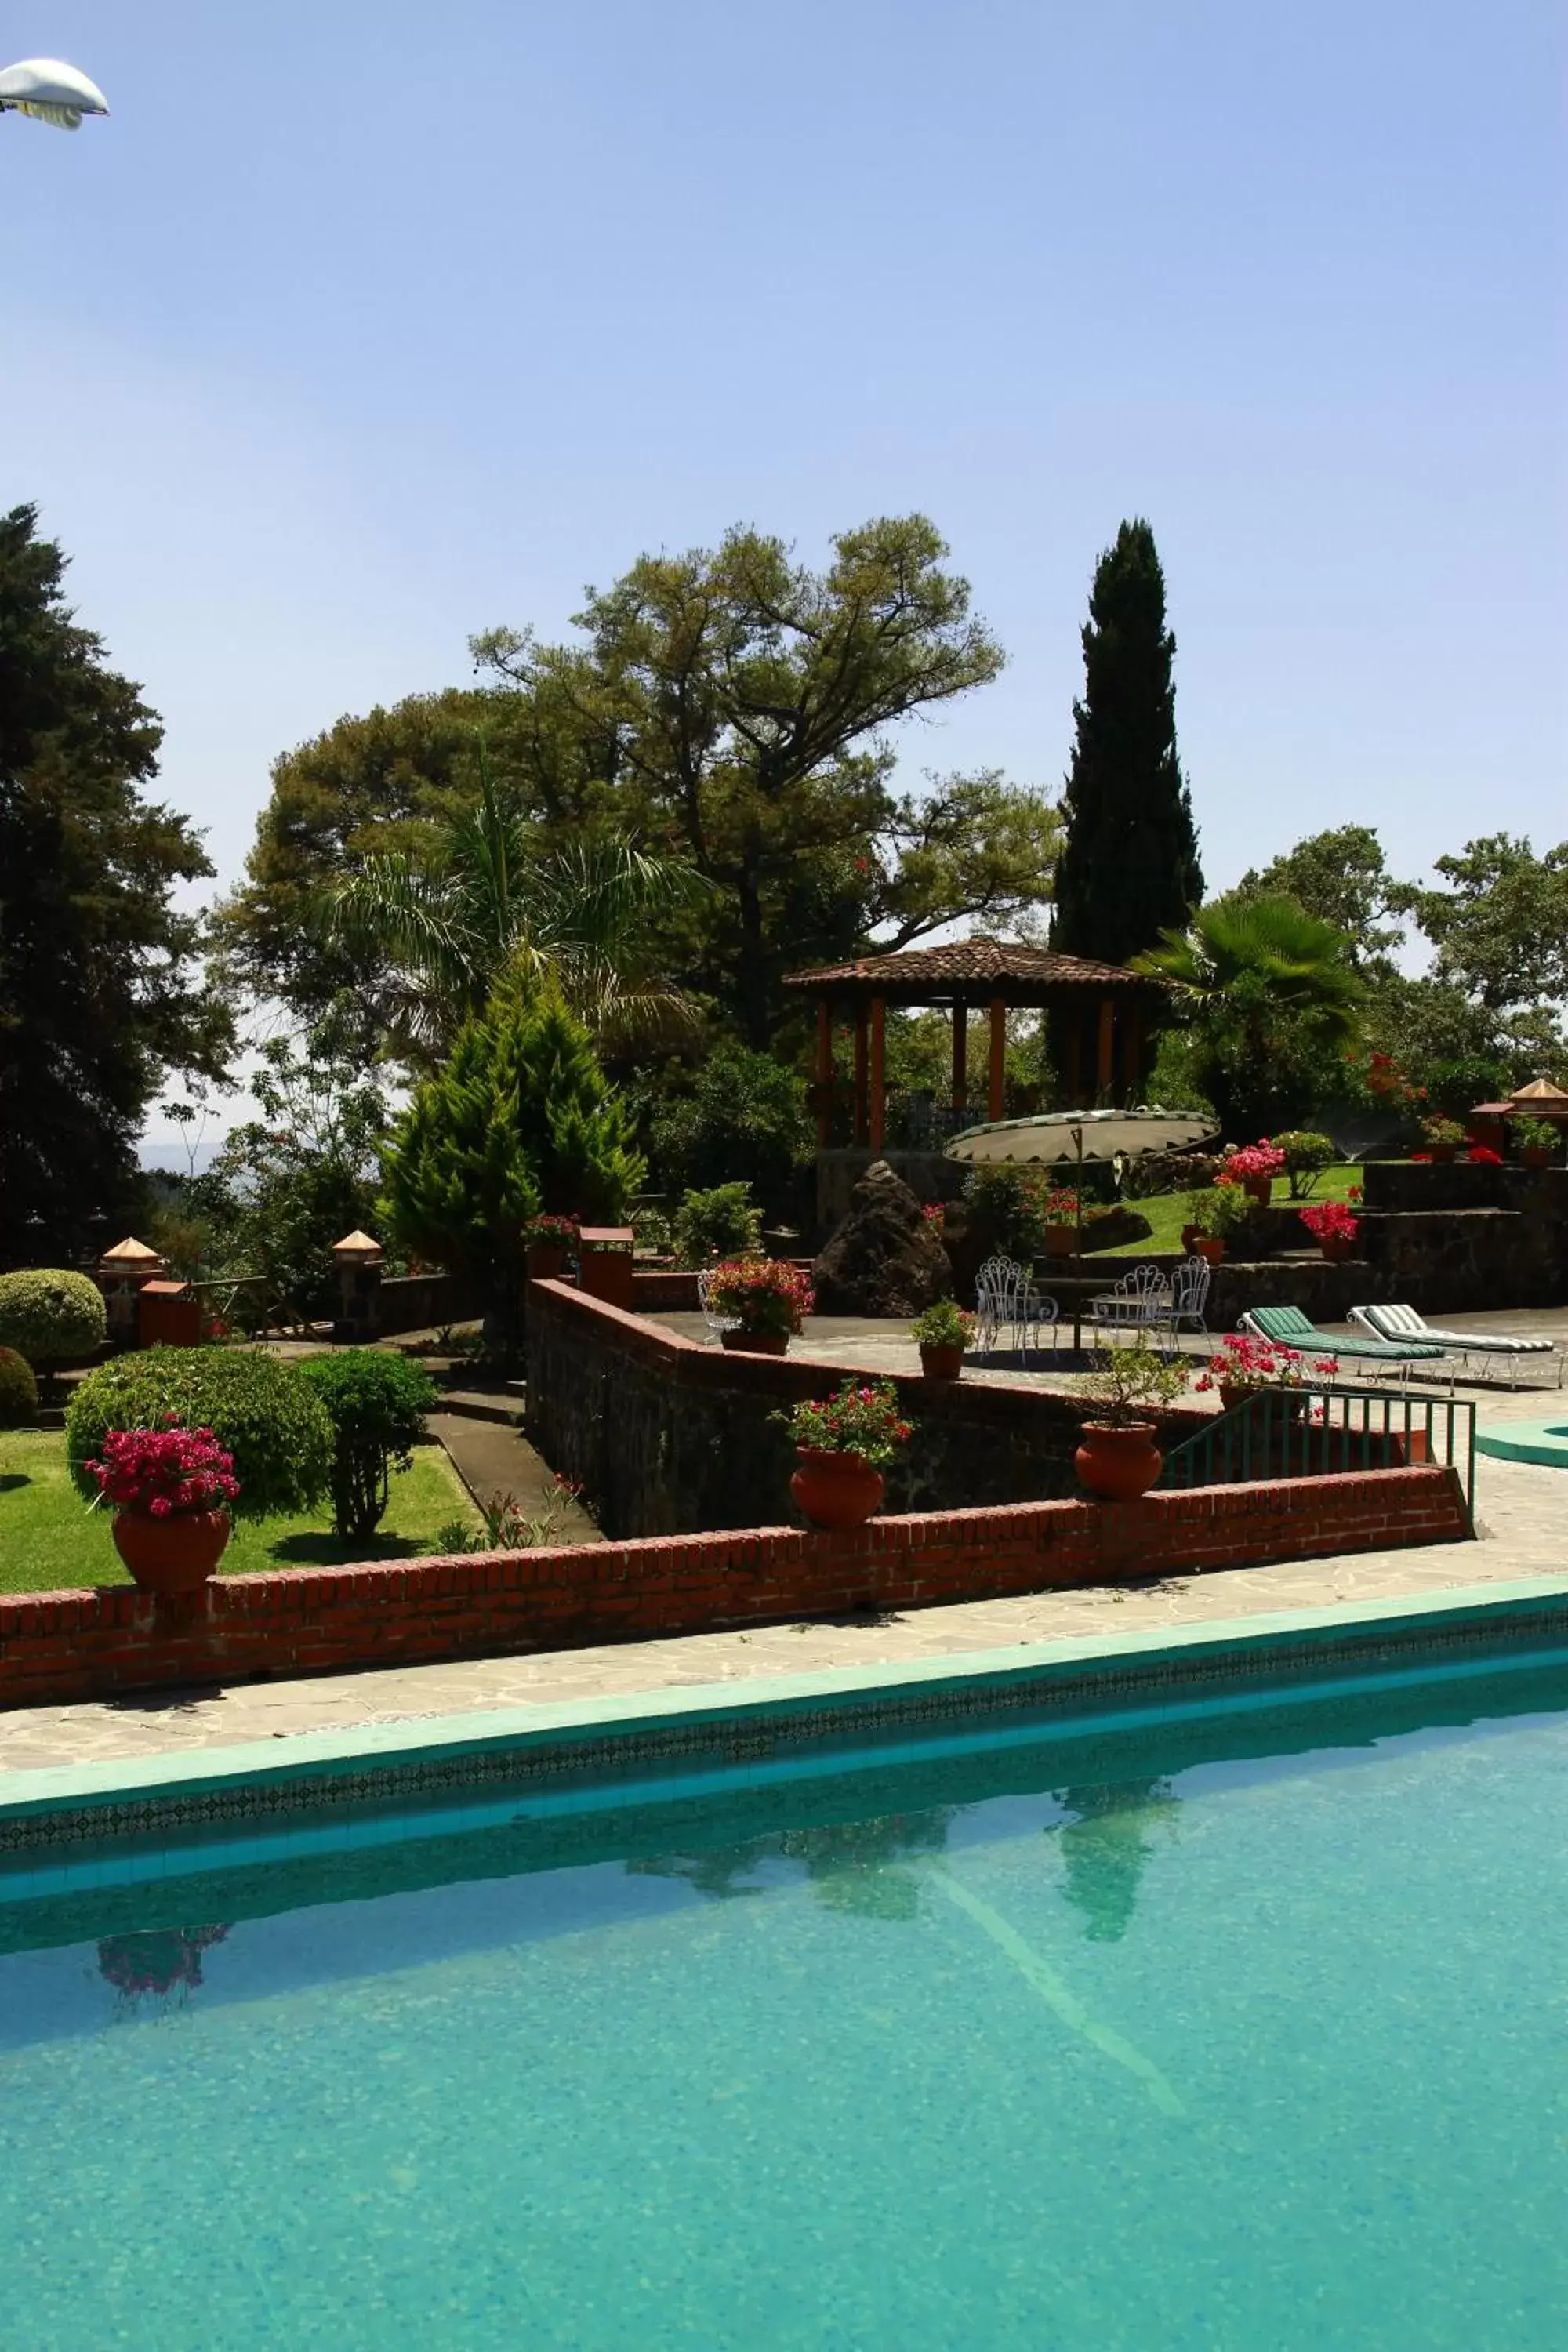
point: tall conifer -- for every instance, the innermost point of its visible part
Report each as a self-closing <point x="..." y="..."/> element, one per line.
<point x="1128" y="869"/>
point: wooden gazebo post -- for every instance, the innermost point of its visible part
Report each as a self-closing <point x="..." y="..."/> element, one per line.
<point x="960" y="1057"/>
<point x="878" y="1076"/>
<point x="998" y="1058"/>
<point x="1104" y="1063"/>
<point x="860" y="1071"/>
<point x="824" y="1073"/>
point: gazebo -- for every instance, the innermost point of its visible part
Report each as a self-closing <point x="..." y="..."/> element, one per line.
<point x="1104" y="1017"/>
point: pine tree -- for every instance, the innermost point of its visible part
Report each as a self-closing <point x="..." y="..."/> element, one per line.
<point x="1128" y="869"/>
<point x="519" y="1119"/>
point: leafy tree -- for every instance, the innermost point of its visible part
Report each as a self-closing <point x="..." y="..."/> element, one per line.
<point x="744" y="1120"/>
<point x="100" y="988"/>
<point x="448" y="921"/>
<point x="1128" y="870"/>
<point x="1272" y="1002"/>
<point x="284" y="1188"/>
<point x="1501" y="927"/>
<point x="519" y="1119"/>
<point x="1342" y="878"/>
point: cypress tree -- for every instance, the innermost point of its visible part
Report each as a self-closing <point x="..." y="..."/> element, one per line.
<point x="1128" y="869"/>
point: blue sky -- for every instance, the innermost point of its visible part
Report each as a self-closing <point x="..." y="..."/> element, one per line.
<point x="358" y="328"/>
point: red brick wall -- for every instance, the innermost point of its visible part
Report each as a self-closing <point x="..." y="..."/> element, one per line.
<point x="73" y="1645"/>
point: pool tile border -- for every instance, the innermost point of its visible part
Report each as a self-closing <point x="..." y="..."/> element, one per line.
<point x="1065" y="1679"/>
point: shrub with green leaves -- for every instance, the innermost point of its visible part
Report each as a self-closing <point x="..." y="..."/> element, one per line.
<point x="1307" y="1154"/>
<point x="377" y="1403"/>
<point x="745" y="1117"/>
<point x="52" y="1316"/>
<point x="718" y="1222"/>
<point x="18" y="1390"/>
<point x="263" y="1412"/>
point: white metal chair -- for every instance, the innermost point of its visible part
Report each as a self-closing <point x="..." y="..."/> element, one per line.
<point x="1007" y="1303"/>
<point x="714" y="1323"/>
<point x="1190" y="1295"/>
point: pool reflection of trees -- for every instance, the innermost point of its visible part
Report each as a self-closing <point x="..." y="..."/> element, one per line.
<point x="1106" y="1845"/>
<point x="853" y="1866"/>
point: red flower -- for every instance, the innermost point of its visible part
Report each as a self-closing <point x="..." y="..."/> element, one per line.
<point x="169" y="1473"/>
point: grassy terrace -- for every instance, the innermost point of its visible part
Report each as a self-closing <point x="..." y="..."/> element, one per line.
<point x="1167" y="1214"/>
<point x="50" y="1541"/>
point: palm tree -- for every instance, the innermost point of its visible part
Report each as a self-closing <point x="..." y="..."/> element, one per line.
<point x="1267" y="991"/>
<point x="483" y="900"/>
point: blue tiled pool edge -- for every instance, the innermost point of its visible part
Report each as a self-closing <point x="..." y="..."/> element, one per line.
<point x="1076" y="1676"/>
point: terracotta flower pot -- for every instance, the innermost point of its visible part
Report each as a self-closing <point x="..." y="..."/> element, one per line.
<point x="1209" y="1246"/>
<point x="1291" y="1407"/>
<point x="941" y="1363"/>
<point x="1536" y="1155"/>
<point x="1059" y="1240"/>
<point x="1259" y="1189"/>
<point x="1336" y="1247"/>
<point x="546" y="1261"/>
<point x="1117" y="1464"/>
<point x="1442" y="1153"/>
<point x="173" y="1555"/>
<point x="1189" y="1239"/>
<point x="836" y="1490"/>
<point x="756" y="1343"/>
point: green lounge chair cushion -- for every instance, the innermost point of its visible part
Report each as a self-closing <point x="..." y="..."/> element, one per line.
<point x="1289" y="1327"/>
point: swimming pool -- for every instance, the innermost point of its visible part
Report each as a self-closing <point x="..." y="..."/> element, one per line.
<point x="1240" y="2026"/>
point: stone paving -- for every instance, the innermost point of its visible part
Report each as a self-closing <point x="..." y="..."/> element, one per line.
<point x="1521" y="1518"/>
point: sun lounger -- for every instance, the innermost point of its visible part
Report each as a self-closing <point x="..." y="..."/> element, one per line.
<point x="1400" y="1323"/>
<point x="1289" y="1327"/>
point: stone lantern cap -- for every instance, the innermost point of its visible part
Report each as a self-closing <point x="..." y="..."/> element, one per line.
<point x="1539" y="1100"/>
<point x="605" y="1237"/>
<point x="359" y="1249"/>
<point x="130" y="1256"/>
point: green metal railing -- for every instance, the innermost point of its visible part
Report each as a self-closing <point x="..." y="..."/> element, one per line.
<point x="1312" y="1431"/>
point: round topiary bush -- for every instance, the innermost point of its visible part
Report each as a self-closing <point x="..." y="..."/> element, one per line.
<point x="52" y="1316"/>
<point x="18" y="1390"/>
<point x="263" y="1412"/>
<point x="377" y="1403"/>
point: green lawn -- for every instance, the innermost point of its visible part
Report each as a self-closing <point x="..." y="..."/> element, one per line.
<point x="1167" y="1213"/>
<point x="50" y="1541"/>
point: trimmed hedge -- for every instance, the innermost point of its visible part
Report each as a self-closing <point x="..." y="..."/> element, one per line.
<point x="265" y="1413"/>
<point x="52" y="1316"/>
<point x="18" y="1390"/>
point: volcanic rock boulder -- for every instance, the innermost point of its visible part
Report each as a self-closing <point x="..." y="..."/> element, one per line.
<point x="884" y="1259"/>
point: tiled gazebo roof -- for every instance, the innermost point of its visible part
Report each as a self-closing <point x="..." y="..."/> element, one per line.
<point x="976" y="968"/>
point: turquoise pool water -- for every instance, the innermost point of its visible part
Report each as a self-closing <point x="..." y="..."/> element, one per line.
<point x="1246" y="2038"/>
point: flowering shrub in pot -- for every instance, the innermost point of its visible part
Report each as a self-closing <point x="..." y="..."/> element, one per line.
<point x="844" y="1444"/>
<point x="1118" y="1458"/>
<point x="1442" y="1137"/>
<point x="941" y="1335"/>
<point x="1242" y="1365"/>
<point x="548" y="1243"/>
<point x="1333" y="1227"/>
<point x="169" y="1488"/>
<point x="1216" y="1214"/>
<point x="766" y="1299"/>
<point x="1253" y="1168"/>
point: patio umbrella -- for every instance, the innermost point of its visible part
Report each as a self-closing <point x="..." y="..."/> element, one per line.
<point x="50" y="91"/>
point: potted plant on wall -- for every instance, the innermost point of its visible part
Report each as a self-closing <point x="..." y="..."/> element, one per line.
<point x="549" y="1241"/>
<point x="941" y="1335"/>
<point x="1537" y="1141"/>
<point x="169" y="1487"/>
<point x="844" y="1444"/>
<point x="1253" y="1168"/>
<point x="1333" y="1227"/>
<point x="1442" y="1137"/>
<point x="1218" y="1214"/>
<point x="1060" y="1213"/>
<point x="1118" y="1457"/>
<point x="764" y="1299"/>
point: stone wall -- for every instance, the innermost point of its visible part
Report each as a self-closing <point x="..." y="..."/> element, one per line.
<point x="668" y="1437"/>
<point x="57" y="1647"/>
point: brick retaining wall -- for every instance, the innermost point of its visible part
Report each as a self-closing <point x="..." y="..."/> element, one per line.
<point x="61" y="1646"/>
